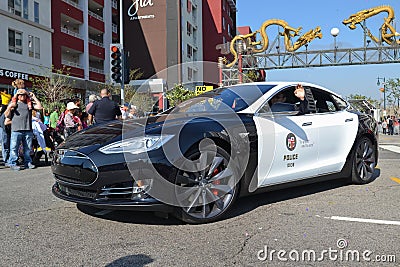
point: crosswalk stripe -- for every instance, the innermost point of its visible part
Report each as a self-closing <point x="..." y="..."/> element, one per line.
<point x="391" y="148"/>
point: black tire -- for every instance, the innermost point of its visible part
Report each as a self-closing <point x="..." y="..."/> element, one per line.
<point x="364" y="161"/>
<point x="210" y="193"/>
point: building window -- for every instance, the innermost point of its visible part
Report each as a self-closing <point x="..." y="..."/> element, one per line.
<point x="36" y="12"/>
<point x="15" y="41"/>
<point x="34" y="47"/>
<point x="223" y="23"/>
<point x="189" y="6"/>
<point x="26" y="10"/>
<point x="189" y="51"/>
<point x="14" y="6"/>
<point x="189" y="28"/>
<point x="190" y="74"/>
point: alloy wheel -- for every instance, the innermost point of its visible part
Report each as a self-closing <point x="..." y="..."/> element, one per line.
<point x="207" y="193"/>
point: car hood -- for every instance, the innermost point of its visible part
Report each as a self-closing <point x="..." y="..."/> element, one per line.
<point x="94" y="137"/>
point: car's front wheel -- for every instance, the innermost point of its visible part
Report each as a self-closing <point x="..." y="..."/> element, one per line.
<point x="206" y="195"/>
<point x="364" y="161"/>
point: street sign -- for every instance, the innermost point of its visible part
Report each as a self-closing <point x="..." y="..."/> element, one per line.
<point x="203" y="89"/>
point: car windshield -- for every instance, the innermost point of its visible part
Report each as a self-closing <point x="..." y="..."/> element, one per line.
<point x="225" y="99"/>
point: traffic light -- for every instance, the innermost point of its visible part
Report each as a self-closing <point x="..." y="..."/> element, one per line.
<point x="116" y="63"/>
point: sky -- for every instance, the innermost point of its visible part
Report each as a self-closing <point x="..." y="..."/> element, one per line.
<point x="309" y="14"/>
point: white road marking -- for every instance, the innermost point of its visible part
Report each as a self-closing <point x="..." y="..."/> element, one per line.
<point x="349" y="219"/>
<point x="391" y="148"/>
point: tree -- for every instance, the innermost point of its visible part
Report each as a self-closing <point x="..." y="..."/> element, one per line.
<point x="374" y="102"/>
<point x="143" y="101"/>
<point x="392" y="88"/>
<point x="179" y="94"/>
<point x="135" y="74"/>
<point x="252" y="76"/>
<point x="55" y="85"/>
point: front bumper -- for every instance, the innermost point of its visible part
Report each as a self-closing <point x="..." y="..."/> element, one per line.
<point x="106" y="182"/>
<point x="91" y="198"/>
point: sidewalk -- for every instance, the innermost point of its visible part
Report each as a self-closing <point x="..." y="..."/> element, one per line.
<point x="389" y="139"/>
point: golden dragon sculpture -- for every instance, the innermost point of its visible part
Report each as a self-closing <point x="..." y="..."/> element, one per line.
<point x="288" y="32"/>
<point x="388" y="31"/>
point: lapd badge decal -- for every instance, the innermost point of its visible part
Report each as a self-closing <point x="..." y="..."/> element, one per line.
<point x="291" y="142"/>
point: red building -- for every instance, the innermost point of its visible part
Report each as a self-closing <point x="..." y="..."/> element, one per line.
<point x="83" y="31"/>
<point x="219" y="27"/>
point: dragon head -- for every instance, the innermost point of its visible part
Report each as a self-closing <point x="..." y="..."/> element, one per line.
<point x="317" y="32"/>
<point x="357" y="18"/>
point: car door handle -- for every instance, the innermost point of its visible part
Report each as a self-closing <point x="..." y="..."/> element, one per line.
<point x="307" y="123"/>
<point x="347" y="120"/>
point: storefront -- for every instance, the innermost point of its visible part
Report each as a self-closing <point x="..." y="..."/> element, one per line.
<point x="7" y="76"/>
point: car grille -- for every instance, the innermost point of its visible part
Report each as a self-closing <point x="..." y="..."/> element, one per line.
<point x="77" y="192"/>
<point x="74" y="167"/>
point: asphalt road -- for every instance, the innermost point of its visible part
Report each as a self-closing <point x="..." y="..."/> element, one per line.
<point x="38" y="229"/>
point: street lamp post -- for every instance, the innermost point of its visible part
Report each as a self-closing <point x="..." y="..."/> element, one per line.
<point x="279" y="56"/>
<point x="384" y="90"/>
<point x="306" y="45"/>
<point x="334" y="33"/>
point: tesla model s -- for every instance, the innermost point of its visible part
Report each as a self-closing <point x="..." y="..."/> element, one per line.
<point x="195" y="159"/>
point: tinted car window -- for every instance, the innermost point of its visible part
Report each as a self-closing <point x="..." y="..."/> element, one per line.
<point x="282" y="101"/>
<point x="341" y="104"/>
<point x="235" y="98"/>
<point x="324" y="101"/>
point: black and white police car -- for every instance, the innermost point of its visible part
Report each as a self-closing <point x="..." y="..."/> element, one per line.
<point x="195" y="159"/>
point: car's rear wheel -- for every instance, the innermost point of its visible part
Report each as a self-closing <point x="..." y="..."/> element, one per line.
<point x="364" y="161"/>
<point x="206" y="195"/>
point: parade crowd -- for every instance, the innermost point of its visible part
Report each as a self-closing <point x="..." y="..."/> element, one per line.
<point x="389" y="125"/>
<point x="28" y="131"/>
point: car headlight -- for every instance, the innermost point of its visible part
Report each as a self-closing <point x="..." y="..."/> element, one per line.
<point x="136" y="145"/>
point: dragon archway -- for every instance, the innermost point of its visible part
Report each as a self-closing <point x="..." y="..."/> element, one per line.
<point x="388" y="35"/>
<point x="388" y="32"/>
<point x="262" y="45"/>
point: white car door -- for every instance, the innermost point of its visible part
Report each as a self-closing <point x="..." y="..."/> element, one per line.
<point x="287" y="142"/>
<point x="287" y="148"/>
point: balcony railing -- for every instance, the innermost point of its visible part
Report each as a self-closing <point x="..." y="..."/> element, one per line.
<point x="96" y="43"/>
<point x="95" y="15"/>
<point x="72" y="3"/>
<point x="72" y="33"/>
<point x="71" y="64"/>
<point x="114" y="4"/>
<point x="114" y="28"/>
<point x="96" y="70"/>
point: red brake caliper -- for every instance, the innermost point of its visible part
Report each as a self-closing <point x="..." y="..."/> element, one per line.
<point x="216" y="182"/>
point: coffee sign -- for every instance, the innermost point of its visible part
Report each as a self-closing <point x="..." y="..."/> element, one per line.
<point x="136" y="6"/>
<point x="13" y="74"/>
